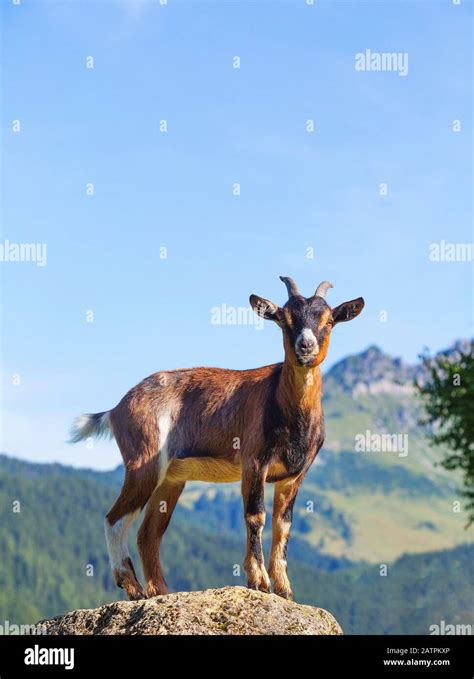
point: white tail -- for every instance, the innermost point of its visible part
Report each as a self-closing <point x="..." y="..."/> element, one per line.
<point x="96" y="424"/>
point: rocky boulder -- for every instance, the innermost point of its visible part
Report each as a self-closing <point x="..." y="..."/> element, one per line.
<point x="230" y="610"/>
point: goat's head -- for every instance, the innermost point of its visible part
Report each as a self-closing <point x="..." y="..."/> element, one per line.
<point x="306" y="322"/>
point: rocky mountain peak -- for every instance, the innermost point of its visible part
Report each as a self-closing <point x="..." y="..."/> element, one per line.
<point x="373" y="371"/>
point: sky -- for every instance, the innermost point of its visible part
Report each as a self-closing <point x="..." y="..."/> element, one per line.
<point x="159" y="158"/>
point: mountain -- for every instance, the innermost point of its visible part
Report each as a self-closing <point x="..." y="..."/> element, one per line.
<point x="53" y="548"/>
<point x="54" y="559"/>
<point x="372" y="372"/>
<point x="363" y="505"/>
<point x="360" y="508"/>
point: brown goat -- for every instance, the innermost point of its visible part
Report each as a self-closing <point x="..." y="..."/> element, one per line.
<point x="208" y="424"/>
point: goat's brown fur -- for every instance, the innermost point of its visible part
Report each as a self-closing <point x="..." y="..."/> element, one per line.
<point x="209" y="424"/>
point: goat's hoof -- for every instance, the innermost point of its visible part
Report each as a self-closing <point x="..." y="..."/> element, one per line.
<point x="257" y="587"/>
<point x="136" y="594"/>
<point x="284" y="593"/>
<point x="153" y="591"/>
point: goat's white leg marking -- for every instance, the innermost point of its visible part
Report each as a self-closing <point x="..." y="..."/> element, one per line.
<point x="116" y="537"/>
<point x="165" y="423"/>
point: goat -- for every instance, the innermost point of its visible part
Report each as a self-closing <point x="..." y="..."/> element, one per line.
<point x="257" y="426"/>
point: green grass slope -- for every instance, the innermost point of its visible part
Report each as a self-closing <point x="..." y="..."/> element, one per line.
<point x="53" y="558"/>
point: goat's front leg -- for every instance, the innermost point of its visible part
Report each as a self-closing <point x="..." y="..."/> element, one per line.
<point x="284" y="499"/>
<point x="253" y="485"/>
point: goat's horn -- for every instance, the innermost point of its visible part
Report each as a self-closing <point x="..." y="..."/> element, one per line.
<point x="322" y="289"/>
<point x="290" y="286"/>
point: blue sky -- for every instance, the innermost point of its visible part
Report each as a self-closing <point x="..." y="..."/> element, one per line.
<point x="174" y="190"/>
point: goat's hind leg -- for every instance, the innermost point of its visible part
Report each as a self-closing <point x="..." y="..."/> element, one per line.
<point x="157" y="517"/>
<point x="137" y="488"/>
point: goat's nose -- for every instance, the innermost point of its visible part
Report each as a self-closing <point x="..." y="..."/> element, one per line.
<point x="307" y="345"/>
<point x="306" y="342"/>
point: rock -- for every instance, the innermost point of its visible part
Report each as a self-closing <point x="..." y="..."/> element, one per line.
<point x="230" y="610"/>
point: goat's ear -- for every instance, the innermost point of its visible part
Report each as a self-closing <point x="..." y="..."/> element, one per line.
<point x="263" y="307"/>
<point x="348" y="310"/>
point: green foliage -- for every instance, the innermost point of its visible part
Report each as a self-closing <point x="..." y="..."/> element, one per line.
<point x="47" y="547"/>
<point x="418" y="591"/>
<point x="347" y="469"/>
<point x="447" y="393"/>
